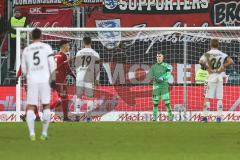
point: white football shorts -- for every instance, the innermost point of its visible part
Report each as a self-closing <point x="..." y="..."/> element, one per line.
<point x="39" y="93"/>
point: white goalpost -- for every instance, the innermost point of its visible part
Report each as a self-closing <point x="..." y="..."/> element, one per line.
<point x="127" y="54"/>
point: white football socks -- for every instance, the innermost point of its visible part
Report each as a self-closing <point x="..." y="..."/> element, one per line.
<point x="46" y="119"/>
<point x="89" y="105"/>
<point x="78" y="105"/>
<point x="219" y="108"/>
<point x="206" y="109"/>
<point x="30" y="122"/>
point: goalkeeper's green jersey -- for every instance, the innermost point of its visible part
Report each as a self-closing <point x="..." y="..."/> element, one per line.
<point x="160" y="70"/>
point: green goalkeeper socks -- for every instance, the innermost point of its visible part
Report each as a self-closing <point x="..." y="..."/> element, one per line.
<point x="169" y="109"/>
<point x="155" y="112"/>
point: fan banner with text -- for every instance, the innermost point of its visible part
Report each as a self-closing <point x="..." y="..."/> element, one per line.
<point x="165" y="13"/>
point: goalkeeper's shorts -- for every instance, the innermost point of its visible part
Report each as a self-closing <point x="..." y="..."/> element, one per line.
<point x="159" y="91"/>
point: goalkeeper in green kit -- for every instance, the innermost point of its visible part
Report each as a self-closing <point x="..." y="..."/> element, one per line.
<point x="159" y="74"/>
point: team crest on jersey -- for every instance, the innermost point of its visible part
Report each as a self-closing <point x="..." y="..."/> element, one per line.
<point x="71" y="3"/>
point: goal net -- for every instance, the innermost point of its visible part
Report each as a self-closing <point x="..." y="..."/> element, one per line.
<point x="127" y="54"/>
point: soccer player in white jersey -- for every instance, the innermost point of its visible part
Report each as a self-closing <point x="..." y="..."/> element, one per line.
<point x="38" y="65"/>
<point x="215" y="62"/>
<point x="87" y="71"/>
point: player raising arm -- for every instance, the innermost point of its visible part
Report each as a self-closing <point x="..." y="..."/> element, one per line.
<point x="87" y="71"/>
<point x="160" y="73"/>
<point x="215" y="62"/>
<point x="37" y="65"/>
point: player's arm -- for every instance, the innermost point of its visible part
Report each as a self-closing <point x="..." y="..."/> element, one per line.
<point x="68" y="68"/>
<point x="19" y="72"/>
<point x="227" y="62"/>
<point x="24" y="64"/>
<point x="203" y="61"/>
<point x="97" y="72"/>
<point x="51" y="63"/>
<point x="97" y="68"/>
<point x="77" y="60"/>
<point x="52" y="67"/>
<point x="167" y="73"/>
<point x="151" y="75"/>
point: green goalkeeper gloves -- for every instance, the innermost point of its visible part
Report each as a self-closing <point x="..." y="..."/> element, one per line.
<point x="158" y="79"/>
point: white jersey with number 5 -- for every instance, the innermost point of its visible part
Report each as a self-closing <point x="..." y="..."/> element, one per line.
<point x="38" y="63"/>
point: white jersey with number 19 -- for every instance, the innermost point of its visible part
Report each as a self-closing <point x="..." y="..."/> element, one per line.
<point x="86" y="65"/>
<point x="38" y="63"/>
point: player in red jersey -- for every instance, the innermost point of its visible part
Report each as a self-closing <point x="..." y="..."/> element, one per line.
<point x="63" y="69"/>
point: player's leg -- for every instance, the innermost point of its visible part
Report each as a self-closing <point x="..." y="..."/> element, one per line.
<point x="62" y="92"/>
<point x="65" y="108"/>
<point x="166" y="98"/>
<point x="56" y="101"/>
<point x="206" y="110"/>
<point x="23" y="117"/>
<point x="79" y="102"/>
<point x="155" y="97"/>
<point x="45" y="96"/>
<point x="209" y="92"/>
<point x="30" y="118"/>
<point x="45" y="121"/>
<point x="219" y="96"/>
<point x="32" y="101"/>
<point x="219" y="110"/>
<point x="37" y="114"/>
<point x="89" y="92"/>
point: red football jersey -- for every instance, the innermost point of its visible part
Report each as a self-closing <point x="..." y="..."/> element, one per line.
<point x="63" y="67"/>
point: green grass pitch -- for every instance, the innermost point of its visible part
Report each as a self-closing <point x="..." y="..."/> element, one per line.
<point x="122" y="141"/>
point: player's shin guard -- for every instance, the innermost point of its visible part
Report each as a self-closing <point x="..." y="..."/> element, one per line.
<point x="155" y="112"/>
<point x="65" y="107"/>
<point x="46" y="120"/>
<point x="89" y="110"/>
<point x="205" y="111"/>
<point x="37" y="114"/>
<point x="78" y="105"/>
<point x="169" y="110"/>
<point x="30" y="121"/>
<point x="219" y="108"/>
